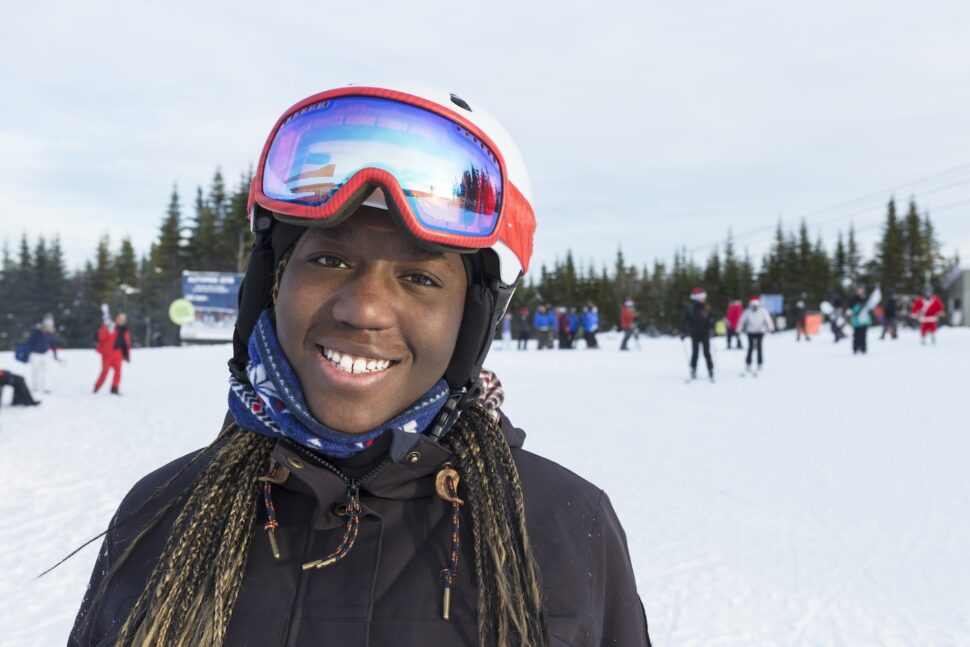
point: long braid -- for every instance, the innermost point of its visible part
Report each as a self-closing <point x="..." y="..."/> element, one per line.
<point x="509" y="595"/>
<point x="190" y="594"/>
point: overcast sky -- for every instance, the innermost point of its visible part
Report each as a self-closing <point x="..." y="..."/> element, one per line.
<point x="645" y="125"/>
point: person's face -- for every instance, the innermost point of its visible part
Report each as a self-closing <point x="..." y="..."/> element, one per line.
<point x="121" y="319"/>
<point x="367" y="319"/>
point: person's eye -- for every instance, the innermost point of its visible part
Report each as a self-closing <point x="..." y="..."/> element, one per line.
<point x="422" y="279"/>
<point x="328" y="260"/>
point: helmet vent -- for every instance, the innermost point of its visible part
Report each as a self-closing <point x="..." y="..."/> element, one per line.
<point x="461" y="103"/>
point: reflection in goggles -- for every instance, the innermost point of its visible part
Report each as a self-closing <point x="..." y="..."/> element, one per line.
<point x="452" y="181"/>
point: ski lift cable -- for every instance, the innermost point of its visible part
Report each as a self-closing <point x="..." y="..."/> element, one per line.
<point x="949" y="183"/>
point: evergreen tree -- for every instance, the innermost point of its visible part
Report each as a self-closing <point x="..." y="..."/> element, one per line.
<point x="205" y="247"/>
<point x="914" y="247"/>
<point x="889" y="250"/>
<point x="126" y="265"/>
<point x="162" y="278"/>
<point x="712" y="282"/>
<point x="9" y="332"/>
<point x="853" y="258"/>
<point x="236" y="224"/>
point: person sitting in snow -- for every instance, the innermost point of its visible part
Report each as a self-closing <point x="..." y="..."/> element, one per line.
<point x="21" y="394"/>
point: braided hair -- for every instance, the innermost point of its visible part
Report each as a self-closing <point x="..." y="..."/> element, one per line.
<point x="190" y="594"/>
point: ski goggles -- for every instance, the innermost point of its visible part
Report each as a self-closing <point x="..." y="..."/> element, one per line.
<point x="440" y="174"/>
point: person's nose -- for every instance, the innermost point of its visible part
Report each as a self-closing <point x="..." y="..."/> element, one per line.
<point x="366" y="301"/>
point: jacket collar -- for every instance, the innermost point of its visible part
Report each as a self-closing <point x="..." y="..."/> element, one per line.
<point x="399" y="466"/>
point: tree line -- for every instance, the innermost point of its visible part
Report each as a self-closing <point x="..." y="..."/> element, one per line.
<point x="34" y="279"/>
<point x="214" y="236"/>
<point x="906" y="257"/>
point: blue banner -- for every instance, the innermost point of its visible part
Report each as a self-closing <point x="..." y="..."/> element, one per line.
<point x="214" y="295"/>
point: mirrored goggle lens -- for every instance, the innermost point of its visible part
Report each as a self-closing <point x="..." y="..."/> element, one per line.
<point x="452" y="181"/>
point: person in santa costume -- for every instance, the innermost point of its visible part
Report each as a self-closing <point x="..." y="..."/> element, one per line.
<point x="927" y="309"/>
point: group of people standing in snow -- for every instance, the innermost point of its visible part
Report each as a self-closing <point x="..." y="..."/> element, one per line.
<point x="113" y="344"/>
<point x="863" y="311"/>
<point x="549" y="325"/>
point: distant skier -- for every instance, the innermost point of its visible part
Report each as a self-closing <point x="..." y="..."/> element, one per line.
<point x="566" y="331"/>
<point x="801" y="318"/>
<point x="833" y="312"/>
<point x="591" y="324"/>
<point x="21" y="394"/>
<point x="698" y="323"/>
<point x="507" y="331"/>
<point x="860" y="317"/>
<point x="39" y="344"/>
<point x="733" y="316"/>
<point x="755" y="322"/>
<point x="574" y="325"/>
<point x="628" y="321"/>
<point x="525" y="328"/>
<point x="545" y="326"/>
<point x="889" y="315"/>
<point x="114" y="345"/>
<point x="927" y="309"/>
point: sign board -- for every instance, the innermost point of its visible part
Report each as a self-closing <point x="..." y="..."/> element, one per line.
<point x="214" y="298"/>
<point x="775" y="303"/>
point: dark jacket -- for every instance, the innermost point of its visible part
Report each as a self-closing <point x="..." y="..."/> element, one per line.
<point x="698" y="321"/>
<point x="388" y="590"/>
<point x="40" y="342"/>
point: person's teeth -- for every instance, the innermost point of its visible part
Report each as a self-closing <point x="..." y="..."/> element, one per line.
<point x="360" y="365"/>
<point x="380" y="365"/>
<point x="328" y="353"/>
<point x="347" y="363"/>
<point x="371" y="364"/>
<point x="335" y="357"/>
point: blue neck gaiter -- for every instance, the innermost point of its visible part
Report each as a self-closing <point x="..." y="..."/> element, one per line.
<point x="272" y="402"/>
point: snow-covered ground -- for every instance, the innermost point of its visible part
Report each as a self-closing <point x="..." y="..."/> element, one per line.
<point x="826" y="502"/>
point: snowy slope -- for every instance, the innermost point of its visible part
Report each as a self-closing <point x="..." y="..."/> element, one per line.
<point x="826" y="502"/>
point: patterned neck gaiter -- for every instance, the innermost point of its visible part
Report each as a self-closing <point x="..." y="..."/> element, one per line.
<point x="272" y="402"/>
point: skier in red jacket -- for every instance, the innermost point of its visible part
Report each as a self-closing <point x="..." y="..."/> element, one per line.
<point x="927" y="309"/>
<point x="114" y="344"/>
<point x="733" y="315"/>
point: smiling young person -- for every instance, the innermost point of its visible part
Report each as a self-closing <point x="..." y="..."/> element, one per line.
<point x="366" y="489"/>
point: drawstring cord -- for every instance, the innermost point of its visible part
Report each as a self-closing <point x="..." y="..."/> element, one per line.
<point x="446" y="486"/>
<point x="350" y="532"/>
<point x="277" y="474"/>
<point x="271" y="523"/>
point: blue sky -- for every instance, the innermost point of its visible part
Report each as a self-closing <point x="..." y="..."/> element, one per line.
<point x="648" y="125"/>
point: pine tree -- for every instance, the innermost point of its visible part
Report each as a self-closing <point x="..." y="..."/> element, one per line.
<point x="853" y="258"/>
<point x="126" y="265"/>
<point x="236" y="225"/>
<point x="913" y="250"/>
<point x="8" y="326"/>
<point x="204" y="248"/>
<point x="712" y="282"/>
<point x="162" y="282"/>
<point x="889" y="250"/>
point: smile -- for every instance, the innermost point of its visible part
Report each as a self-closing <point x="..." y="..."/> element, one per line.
<point x="354" y="363"/>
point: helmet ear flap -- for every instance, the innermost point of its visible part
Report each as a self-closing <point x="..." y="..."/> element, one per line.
<point x="485" y="302"/>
